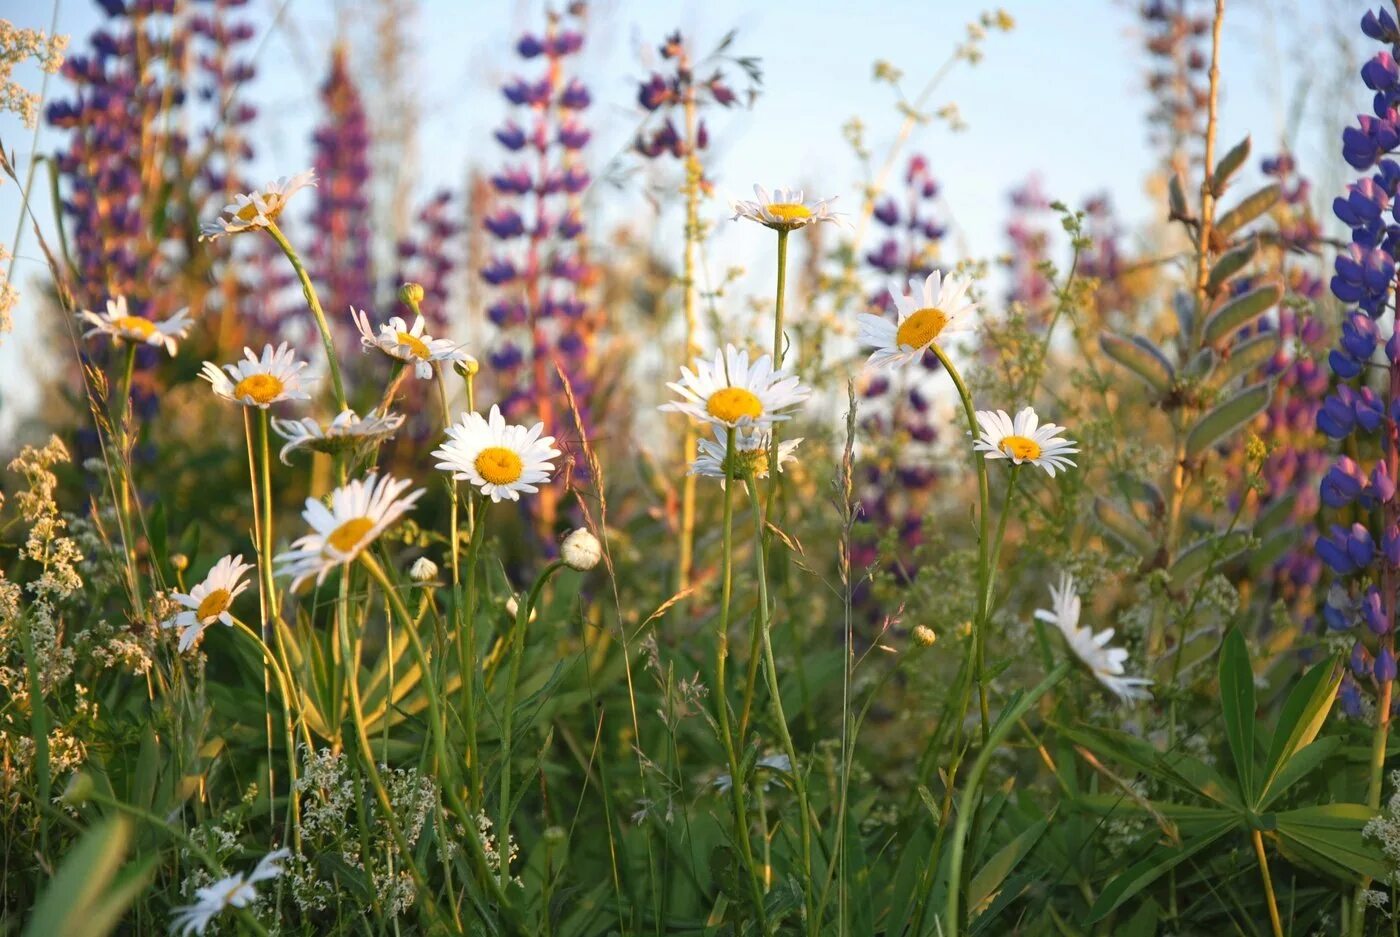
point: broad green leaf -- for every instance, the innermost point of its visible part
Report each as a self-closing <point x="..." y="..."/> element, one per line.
<point x="1229" y="264"/>
<point x="1301" y="719"/>
<point x="1239" y="312"/>
<point x="1228" y="417"/>
<point x="1126" y="528"/>
<point x="1229" y="164"/>
<point x="1180" y="770"/>
<point x="1246" y="211"/>
<point x="1237" y="707"/>
<point x="989" y="878"/>
<point x="1141" y="358"/>
<point x="87" y="897"/>
<point x="1205" y="554"/>
<point x="1201" y="365"/>
<point x="1144" y="873"/>
<point x="1246" y="357"/>
<point x="1298" y="767"/>
<point x="1329" y="837"/>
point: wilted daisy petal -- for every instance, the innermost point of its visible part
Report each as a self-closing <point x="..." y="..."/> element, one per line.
<point x="750" y="454"/>
<point x="1023" y="440"/>
<point x="259" y="381"/>
<point x="397" y="340"/>
<point x="1106" y="663"/>
<point x="347" y="431"/>
<point x="731" y="393"/>
<point x="501" y="459"/>
<point x="259" y="209"/>
<point x="784" y="210"/>
<point x="209" y="601"/>
<point x="122" y="326"/>
<point x="358" y="513"/>
<point x="933" y="309"/>
<point x="233" y="891"/>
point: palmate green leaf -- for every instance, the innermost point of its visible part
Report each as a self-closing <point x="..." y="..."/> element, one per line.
<point x="1328" y="838"/>
<point x="1246" y="357"/>
<point x="988" y="880"/>
<point x="90" y="892"/>
<point x="1203" y="555"/>
<point x="1141" y="358"/>
<point x="1144" y="873"/>
<point x="1124" y="527"/>
<point x="1228" y="417"/>
<point x="1247" y="210"/>
<point x="1187" y="815"/>
<point x="1303" y="715"/>
<point x="1237" y="707"/>
<point x="1240" y="312"/>
<point x="1177" y="769"/>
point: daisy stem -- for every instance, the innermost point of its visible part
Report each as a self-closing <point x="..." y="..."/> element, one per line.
<point x="983" y="547"/>
<point x="774" y="689"/>
<point x="124" y="465"/>
<point x="985" y="611"/>
<point x="309" y="291"/>
<point x="517" y="651"/>
<point x="967" y="805"/>
<point x="736" y="789"/>
<point x="268" y="586"/>
<point x="694" y="175"/>
<point x="779" y="305"/>
<point x="271" y="664"/>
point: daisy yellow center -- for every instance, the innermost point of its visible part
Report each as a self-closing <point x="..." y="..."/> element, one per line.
<point x="921" y="328"/>
<point x="263" y="388"/>
<point x="348" y="535"/>
<point x="213" y="605"/>
<point x="499" y="465"/>
<point x="135" y="325"/>
<point x="730" y="404"/>
<point x="415" y="345"/>
<point x="789" y="212"/>
<point x="1020" y="448"/>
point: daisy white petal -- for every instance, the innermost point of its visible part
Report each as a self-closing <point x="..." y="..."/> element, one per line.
<point x="784" y="210"/>
<point x="1023" y="440"/>
<point x="347" y="432"/>
<point x="412" y="345"/>
<point x="503" y="460"/>
<point x="1106" y="663"/>
<point x="731" y="393"/>
<point x="931" y="311"/>
<point x="260" y="209"/>
<point x="259" y="381"/>
<point x="358" y="513"/>
<point x="209" y="601"/>
<point x="751" y="449"/>
<point x="122" y="326"/>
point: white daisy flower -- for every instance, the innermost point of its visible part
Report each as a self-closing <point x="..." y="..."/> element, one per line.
<point x="259" y="209"/>
<point x="1092" y="649"/>
<point x="209" y="601"/>
<point x="233" y="891"/>
<point x="500" y="459"/>
<point x="259" y="382"/>
<point x="345" y="432"/>
<point x="784" y="210"/>
<point x="934" y="308"/>
<point x="731" y="393"/>
<point x="750" y="454"/>
<point x="399" y="341"/>
<point x="1022" y="440"/>
<point x="122" y="326"/>
<point x="359" y="512"/>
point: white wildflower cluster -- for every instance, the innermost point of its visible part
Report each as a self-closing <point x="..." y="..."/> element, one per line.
<point x="1385" y="829"/>
<point x="16" y="47"/>
<point x="112" y="647"/>
<point x="486" y="830"/>
<point x="9" y="296"/>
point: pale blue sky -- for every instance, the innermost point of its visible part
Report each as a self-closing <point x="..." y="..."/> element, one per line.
<point x="1062" y="95"/>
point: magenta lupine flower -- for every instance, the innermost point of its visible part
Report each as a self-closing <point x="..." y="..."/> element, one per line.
<point x="1177" y="37"/>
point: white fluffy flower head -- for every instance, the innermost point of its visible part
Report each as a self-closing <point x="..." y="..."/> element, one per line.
<point x="732" y="393"/>
<point x="932" y="310"/>
<point x="503" y="460"/>
<point x="581" y="550"/>
<point x="358" y="513"/>
<point x="259" y="381"/>
<point x="122" y="326"/>
<point x="784" y="209"/>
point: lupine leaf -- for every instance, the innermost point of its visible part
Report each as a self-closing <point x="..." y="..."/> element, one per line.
<point x="1229" y="164"/>
<point x="1139" y="357"/>
<point x="1240" y="311"/>
<point x="1329" y="837"/>
<point x="1237" y="707"/>
<point x="1206" y="553"/>
<point x="1246" y="356"/>
<point x="1144" y="873"/>
<point x="1228" y="417"/>
<point x="1304" y="712"/>
<point x="1229" y="264"/>
<point x="1201" y="365"/>
<point x="1247" y="210"/>
<point x="1120" y="522"/>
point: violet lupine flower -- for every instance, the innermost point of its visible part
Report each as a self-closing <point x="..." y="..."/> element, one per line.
<point x="1364" y="558"/>
<point x="1029" y="242"/>
<point x="1177" y="36"/>
<point x="539" y="263"/>
<point x="338" y="259"/>
<point x="667" y="94"/>
<point x="429" y="257"/>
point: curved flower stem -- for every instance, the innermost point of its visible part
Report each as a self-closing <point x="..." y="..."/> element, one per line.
<point x="988" y="587"/>
<point x="771" y="672"/>
<point x="736" y="788"/>
<point x="693" y="178"/>
<point x="779" y="305"/>
<point x="984" y="572"/>
<point x="124" y="447"/>
<point x="284" y="684"/>
<point x="967" y="804"/>
<point x="309" y="291"/>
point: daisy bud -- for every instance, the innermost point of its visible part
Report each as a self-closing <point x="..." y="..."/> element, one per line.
<point x="466" y="367"/>
<point x="513" y="608"/>
<point x="180" y="562"/>
<point x="924" y="636"/>
<point x="412" y="294"/>
<point x="581" y="550"/>
<point x="423" y="570"/>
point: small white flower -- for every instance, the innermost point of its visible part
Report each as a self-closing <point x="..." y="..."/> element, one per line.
<point x="259" y="382"/>
<point x="934" y="308"/>
<point x="731" y="393"/>
<point x="347" y="431"/>
<point x="259" y="209"/>
<point x="359" y="512"/>
<point x="122" y="326"/>
<point x="1023" y="440"/>
<point x="399" y="341"/>
<point x="233" y="891"/>
<point x="581" y="550"/>
<point x="1106" y="663"/>
<point x="775" y="764"/>
<point x="209" y="601"/>
<point x="784" y="210"/>
<point x="423" y="570"/>
<point x="750" y="454"/>
<point x="502" y="460"/>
